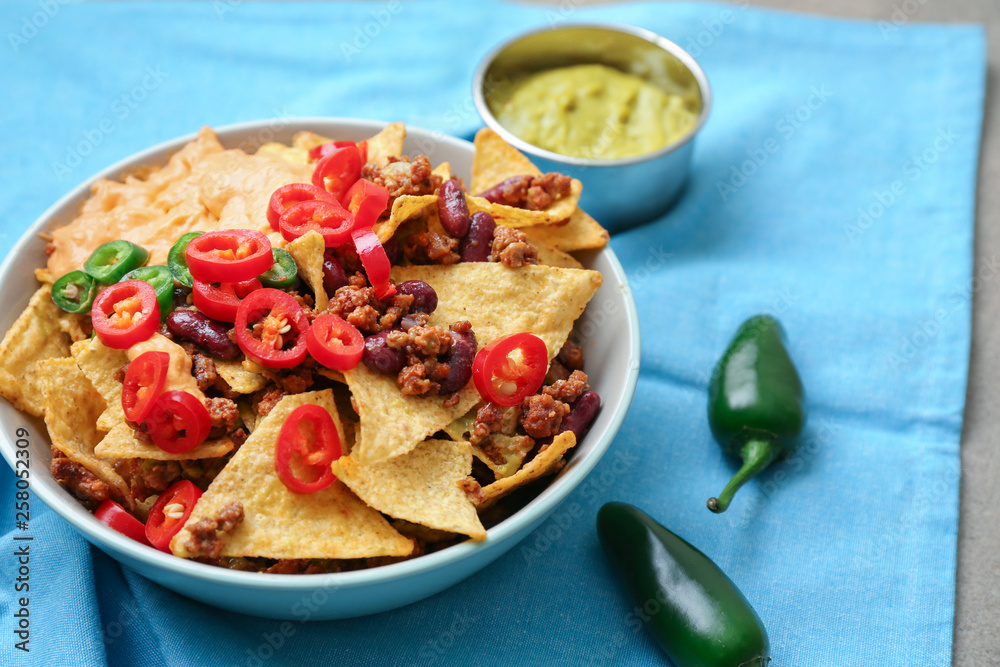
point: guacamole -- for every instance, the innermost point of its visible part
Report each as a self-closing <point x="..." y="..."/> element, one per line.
<point x="596" y="111"/>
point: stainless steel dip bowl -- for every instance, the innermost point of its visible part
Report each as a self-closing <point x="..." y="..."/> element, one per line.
<point x="619" y="193"/>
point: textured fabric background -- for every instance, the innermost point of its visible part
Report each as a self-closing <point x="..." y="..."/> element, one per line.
<point x="847" y="550"/>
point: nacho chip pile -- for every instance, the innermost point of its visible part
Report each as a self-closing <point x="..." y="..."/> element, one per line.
<point x="410" y="479"/>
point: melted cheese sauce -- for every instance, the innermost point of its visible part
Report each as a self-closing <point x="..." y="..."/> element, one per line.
<point x="178" y="372"/>
<point x="203" y="187"/>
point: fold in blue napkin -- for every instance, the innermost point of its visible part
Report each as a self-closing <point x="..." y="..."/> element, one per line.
<point x="833" y="186"/>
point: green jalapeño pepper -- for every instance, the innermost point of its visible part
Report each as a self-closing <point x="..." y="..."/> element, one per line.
<point x="178" y="262"/>
<point x="74" y="292"/>
<point x="113" y="260"/>
<point x="282" y="273"/>
<point x="692" y="609"/>
<point x="162" y="281"/>
<point x="756" y="405"/>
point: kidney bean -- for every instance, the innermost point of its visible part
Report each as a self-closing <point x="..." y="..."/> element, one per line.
<point x="393" y="252"/>
<point x="453" y="209"/>
<point x="425" y="299"/>
<point x="380" y="357"/>
<point x="211" y="335"/>
<point x="460" y="358"/>
<point x="581" y="414"/>
<point x="476" y="246"/>
<point x="333" y="274"/>
<point x="517" y="185"/>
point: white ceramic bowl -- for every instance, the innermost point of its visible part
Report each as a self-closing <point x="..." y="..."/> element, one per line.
<point x="609" y="331"/>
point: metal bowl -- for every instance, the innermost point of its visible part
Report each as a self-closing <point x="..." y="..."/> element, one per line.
<point x="619" y="193"/>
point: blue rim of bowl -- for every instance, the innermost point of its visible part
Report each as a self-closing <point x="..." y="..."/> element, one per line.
<point x="539" y="506"/>
<point x="670" y="47"/>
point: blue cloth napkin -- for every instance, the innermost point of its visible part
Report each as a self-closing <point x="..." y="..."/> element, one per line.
<point x="833" y="186"/>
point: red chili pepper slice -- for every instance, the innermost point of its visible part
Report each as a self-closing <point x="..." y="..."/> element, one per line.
<point x="271" y="328"/>
<point x="125" y="313"/>
<point x="144" y="381"/>
<point x="335" y="342"/>
<point x="229" y="256"/>
<point x="170" y="512"/>
<point x="178" y="422"/>
<point x="328" y="218"/>
<point x="113" y="515"/>
<point x="366" y="201"/>
<point x="221" y="302"/>
<point x="338" y="171"/>
<point x="375" y="261"/>
<point x="288" y="195"/>
<point x="329" y="148"/>
<point x="511" y="368"/>
<point x="307" y="444"/>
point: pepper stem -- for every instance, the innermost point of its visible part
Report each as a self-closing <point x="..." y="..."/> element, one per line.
<point x="757" y="455"/>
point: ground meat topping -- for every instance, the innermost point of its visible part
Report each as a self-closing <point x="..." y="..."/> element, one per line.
<point x="511" y="248"/>
<point x="401" y="176"/>
<point x="424" y="340"/>
<point x="532" y="192"/>
<point x="513" y="191"/>
<point x="431" y="248"/>
<point x="423" y="344"/>
<point x="265" y="400"/>
<point x="149" y="477"/>
<point x="358" y="304"/>
<point x="413" y="381"/>
<point x="224" y="414"/>
<point x="568" y="390"/>
<point x="472" y="489"/>
<point x="208" y="535"/>
<point x="489" y="419"/>
<point x="571" y="355"/>
<point x="542" y="415"/>
<point x="79" y="481"/>
<point x="546" y="190"/>
<point x="204" y="371"/>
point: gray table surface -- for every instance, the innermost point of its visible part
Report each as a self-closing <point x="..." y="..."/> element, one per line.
<point x="977" y="606"/>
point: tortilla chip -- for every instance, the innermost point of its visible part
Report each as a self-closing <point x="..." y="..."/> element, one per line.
<point x="291" y="154"/>
<point x="403" y="208"/>
<point x="495" y="161"/>
<point x="34" y="336"/>
<point x="497" y="300"/>
<point x="549" y="256"/>
<point x="72" y="406"/>
<point x="331" y="374"/>
<point x="121" y="443"/>
<point x="307" y="140"/>
<point x="239" y="379"/>
<point x="393" y="423"/>
<point x="420" y="486"/>
<point x="100" y="363"/>
<point x="388" y="142"/>
<point x="443" y="170"/>
<point x="332" y="523"/>
<point x="77" y="327"/>
<point x="556" y="214"/>
<point x="307" y="251"/>
<point x="581" y="233"/>
<point x="544" y="463"/>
